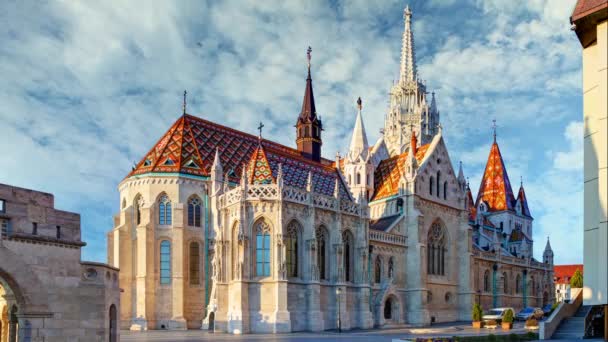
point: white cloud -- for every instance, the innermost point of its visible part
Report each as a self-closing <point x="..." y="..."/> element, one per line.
<point x="571" y="160"/>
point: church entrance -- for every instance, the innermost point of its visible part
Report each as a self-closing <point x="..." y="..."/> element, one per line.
<point x="390" y="310"/>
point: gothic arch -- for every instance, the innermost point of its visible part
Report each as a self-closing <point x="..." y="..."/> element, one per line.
<point x="348" y="242"/>
<point x="262" y="245"/>
<point x="323" y="251"/>
<point x="293" y="248"/>
<point x="438" y="248"/>
<point x="390" y="296"/>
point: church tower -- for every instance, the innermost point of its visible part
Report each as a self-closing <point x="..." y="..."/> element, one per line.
<point x="409" y="109"/>
<point x="309" y="126"/>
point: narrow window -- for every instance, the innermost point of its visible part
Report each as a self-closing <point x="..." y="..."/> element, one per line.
<point x="165" y="262"/>
<point x="34" y="228"/>
<point x="164" y="210"/>
<point x="390" y="267"/>
<point x="2" y="206"/>
<point x="436" y="249"/>
<point x="486" y="281"/>
<point x="378" y="270"/>
<point x="438" y="177"/>
<point x="194" y="212"/>
<point x="291" y="245"/>
<point x="137" y="204"/>
<point x="321" y="252"/>
<point x="262" y="256"/>
<point x="358" y="178"/>
<point x="194" y="264"/>
<point x="347" y="241"/>
<point x="58" y="232"/>
<point x="445" y="190"/>
<point x="431" y="183"/>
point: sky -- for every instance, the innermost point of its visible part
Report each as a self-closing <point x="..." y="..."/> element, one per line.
<point x="88" y="87"/>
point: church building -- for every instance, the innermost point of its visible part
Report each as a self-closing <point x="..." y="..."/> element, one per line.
<point x="232" y="232"/>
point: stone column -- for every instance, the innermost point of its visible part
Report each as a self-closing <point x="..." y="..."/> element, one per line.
<point x="281" y="318"/>
<point x="178" y="256"/>
<point x="313" y="293"/>
<point x="140" y="319"/>
<point x="365" y="318"/>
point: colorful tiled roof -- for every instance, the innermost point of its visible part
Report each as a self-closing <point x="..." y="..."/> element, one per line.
<point x="521" y="196"/>
<point x="189" y="146"/>
<point x="389" y="171"/>
<point x="495" y="188"/>
<point x="563" y="273"/>
<point x="471" y="205"/>
<point x="259" y="168"/>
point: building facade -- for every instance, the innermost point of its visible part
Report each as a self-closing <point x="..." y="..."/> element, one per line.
<point x="562" y="276"/>
<point x="46" y="292"/>
<point x="590" y="23"/>
<point x="229" y="231"/>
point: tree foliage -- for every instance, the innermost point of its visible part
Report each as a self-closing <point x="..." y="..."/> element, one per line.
<point x="477" y="312"/>
<point x="576" y="282"/>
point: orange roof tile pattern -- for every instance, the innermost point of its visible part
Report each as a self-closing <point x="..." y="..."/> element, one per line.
<point x="495" y="188"/>
<point x="189" y="146"/>
<point x="389" y="171"/>
<point x="521" y="196"/>
<point x="260" y="168"/>
<point x="471" y="205"/>
<point x="563" y="273"/>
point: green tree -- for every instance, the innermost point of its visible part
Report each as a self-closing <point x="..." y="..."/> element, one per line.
<point x="477" y="312"/>
<point x="576" y="282"/>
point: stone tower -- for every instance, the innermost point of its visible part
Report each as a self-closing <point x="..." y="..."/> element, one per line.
<point x="409" y="109"/>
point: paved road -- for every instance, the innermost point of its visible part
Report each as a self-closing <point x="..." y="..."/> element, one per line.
<point x="377" y="335"/>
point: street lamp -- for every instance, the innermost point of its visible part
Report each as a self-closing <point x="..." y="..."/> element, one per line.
<point x="338" y="292"/>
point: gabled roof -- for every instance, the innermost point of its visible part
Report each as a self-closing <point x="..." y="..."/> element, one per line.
<point x="191" y="142"/>
<point x="495" y="188"/>
<point x="521" y="197"/>
<point x="563" y="273"/>
<point x="389" y="171"/>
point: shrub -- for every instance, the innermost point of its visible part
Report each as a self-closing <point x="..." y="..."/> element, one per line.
<point x="477" y="312"/>
<point x="576" y="282"/>
<point x="508" y="318"/>
<point x="531" y="323"/>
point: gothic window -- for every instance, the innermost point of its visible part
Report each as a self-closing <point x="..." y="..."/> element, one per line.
<point x="486" y="281"/>
<point x="165" y="262"/>
<point x="195" y="264"/>
<point x="321" y="235"/>
<point x="164" y="210"/>
<point x="445" y="190"/>
<point x="262" y="252"/>
<point x="194" y="212"/>
<point x="347" y="241"/>
<point x="137" y="204"/>
<point x="431" y="183"/>
<point x="390" y="267"/>
<point x="505" y="283"/>
<point x="358" y="178"/>
<point x="378" y="270"/>
<point x="400" y="205"/>
<point x="438" y="177"/>
<point x="291" y="244"/>
<point x="518" y="284"/>
<point x="436" y="250"/>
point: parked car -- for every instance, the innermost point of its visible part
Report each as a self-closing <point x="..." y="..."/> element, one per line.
<point x="530" y="312"/>
<point x="547" y="309"/>
<point x="496" y="314"/>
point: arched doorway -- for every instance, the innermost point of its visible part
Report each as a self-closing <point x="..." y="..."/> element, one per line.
<point x="388" y="309"/>
<point x="211" y="321"/>
<point x="113" y="324"/>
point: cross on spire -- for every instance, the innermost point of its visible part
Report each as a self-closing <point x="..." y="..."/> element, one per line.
<point x="184" y="104"/>
<point x="494" y="128"/>
<point x="260" y="129"/>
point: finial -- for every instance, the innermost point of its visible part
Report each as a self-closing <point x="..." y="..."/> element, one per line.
<point x="260" y="129"/>
<point x="184" y="104"/>
<point x="467" y="182"/>
<point x="494" y="128"/>
<point x="521" y="181"/>
<point x="407" y="13"/>
<point x="359" y="103"/>
<point x="308" y="51"/>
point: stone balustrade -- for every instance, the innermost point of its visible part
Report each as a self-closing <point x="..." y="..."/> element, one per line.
<point x="379" y="236"/>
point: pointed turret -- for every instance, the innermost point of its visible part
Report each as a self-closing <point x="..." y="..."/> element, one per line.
<point x="523" y="201"/>
<point x="216" y="173"/>
<point x="408" y="57"/>
<point x="359" y="147"/>
<point x="461" y="180"/>
<point x="411" y="164"/>
<point x="495" y="188"/>
<point x="548" y="253"/>
<point x="470" y="205"/>
<point x="309" y="126"/>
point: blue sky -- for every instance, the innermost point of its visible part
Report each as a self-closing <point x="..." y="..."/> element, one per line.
<point x="88" y="88"/>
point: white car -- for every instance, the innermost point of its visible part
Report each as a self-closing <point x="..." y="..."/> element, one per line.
<point x="497" y="314"/>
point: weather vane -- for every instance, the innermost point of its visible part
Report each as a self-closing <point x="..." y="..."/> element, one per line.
<point x="308" y="51"/>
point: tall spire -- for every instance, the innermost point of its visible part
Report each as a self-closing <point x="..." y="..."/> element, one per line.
<point x="308" y="126"/>
<point x="495" y="188"/>
<point x="309" y="112"/>
<point x="358" y="143"/>
<point x="408" y="57"/>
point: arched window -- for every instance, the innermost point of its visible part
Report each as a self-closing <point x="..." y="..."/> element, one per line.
<point x="391" y="267"/>
<point x="438" y="182"/>
<point x="378" y="270"/>
<point x="486" y="281"/>
<point x="262" y="252"/>
<point x="399" y="205"/>
<point x="195" y="264"/>
<point x="518" y="284"/>
<point x="164" y="210"/>
<point x="436" y="249"/>
<point x="358" y="178"/>
<point x="445" y="190"/>
<point x="137" y="204"/>
<point x="431" y="184"/>
<point x="291" y="246"/>
<point x="165" y="262"/>
<point x="505" y="282"/>
<point x="194" y="212"/>
<point x="347" y="241"/>
<point x="321" y="235"/>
